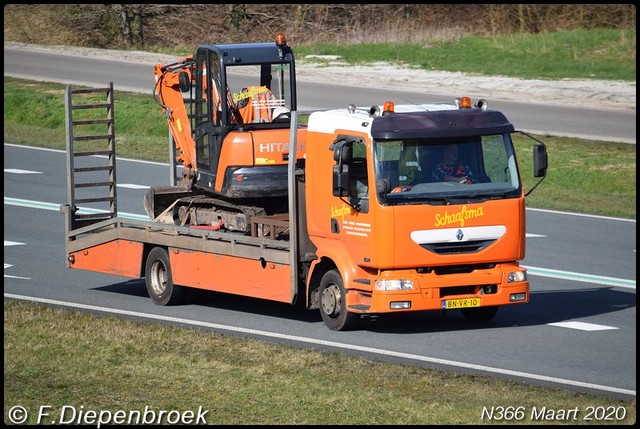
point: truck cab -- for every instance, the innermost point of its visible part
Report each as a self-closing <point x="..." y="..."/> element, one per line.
<point x="401" y="238"/>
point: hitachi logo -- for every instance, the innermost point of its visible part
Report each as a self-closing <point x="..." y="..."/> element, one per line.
<point x="274" y="147"/>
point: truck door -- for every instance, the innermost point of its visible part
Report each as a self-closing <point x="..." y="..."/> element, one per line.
<point x="352" y="217"/>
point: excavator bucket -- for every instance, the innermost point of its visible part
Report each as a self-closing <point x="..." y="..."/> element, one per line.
<point x="159" y="201"/>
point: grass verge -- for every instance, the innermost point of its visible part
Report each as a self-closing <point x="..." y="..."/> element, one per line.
<point x="59" y="358"/>
<point x="578" y="54"/>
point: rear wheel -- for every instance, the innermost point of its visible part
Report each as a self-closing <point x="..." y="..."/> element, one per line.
<point x="159" y="281"/>
<point x="333" y="303"/>
<point x="479" y="314"/>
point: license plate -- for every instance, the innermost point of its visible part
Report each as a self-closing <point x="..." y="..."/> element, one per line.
<point x="449" y="304"/>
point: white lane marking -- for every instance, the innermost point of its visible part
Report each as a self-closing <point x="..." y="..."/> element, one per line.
<point x="582" y="326"/>
<point x="12" y="243"/>
<point x="19" y="171"/>
<point x="590" y="278"/>
<point x="14" y="277"/>
<point x="580" y="214"/>
<point x="132" y="186"/>
<point x="376" y="351"/>
<point x="63" y="151"/>
<point x="56" y="208"/>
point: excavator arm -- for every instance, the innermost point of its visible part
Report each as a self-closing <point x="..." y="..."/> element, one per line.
<point x="172" y="81"/>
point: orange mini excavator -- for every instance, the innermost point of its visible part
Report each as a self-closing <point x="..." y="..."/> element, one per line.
<point x="228" y="109"/>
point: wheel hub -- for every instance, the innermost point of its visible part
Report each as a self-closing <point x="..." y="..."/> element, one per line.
<point x="159" y="278"/>
<point x="331" y="300"/>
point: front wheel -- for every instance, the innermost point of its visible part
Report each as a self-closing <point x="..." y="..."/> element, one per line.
<point x="159" y="281"/>
<point x="333" y="303"/>
<point x="479" y="314"/>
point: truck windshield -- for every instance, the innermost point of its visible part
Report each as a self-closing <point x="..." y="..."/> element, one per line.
<point x="262" y="93"/>
<point x="438" y="171"/>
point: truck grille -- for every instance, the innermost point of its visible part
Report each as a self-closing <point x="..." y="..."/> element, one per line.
<point x="461" y="247"/>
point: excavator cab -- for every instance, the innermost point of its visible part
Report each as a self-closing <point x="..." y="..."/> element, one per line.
<point x="236" y="90"/>
<point x="242" y="84"/>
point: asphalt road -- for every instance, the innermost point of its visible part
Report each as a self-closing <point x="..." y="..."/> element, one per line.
<point x="577" y="333"/>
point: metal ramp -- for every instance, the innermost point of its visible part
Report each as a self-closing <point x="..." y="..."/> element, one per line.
<point x="91" y="156"/>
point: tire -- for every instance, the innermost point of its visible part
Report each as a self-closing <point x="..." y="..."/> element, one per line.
<point x="332" y="303"/>
<point x="159" y="280"/>
<point x="479" y="314"/>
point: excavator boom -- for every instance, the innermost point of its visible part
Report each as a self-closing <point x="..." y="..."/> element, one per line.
<point x="170" y="97"/>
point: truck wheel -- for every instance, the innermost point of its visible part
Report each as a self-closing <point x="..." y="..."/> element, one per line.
<point x="332" y="303"/>
<point x="479" y="314"/>
<point x="158" y="278"/>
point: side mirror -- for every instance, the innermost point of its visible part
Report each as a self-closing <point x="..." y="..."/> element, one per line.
<point x="342" y="156"/>
<point x="539" y="160"/>
<point x="341" y="180"/>
<point x="342" y="153"/>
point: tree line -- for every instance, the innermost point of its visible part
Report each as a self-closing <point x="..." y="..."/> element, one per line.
<point x="159" y="26"/>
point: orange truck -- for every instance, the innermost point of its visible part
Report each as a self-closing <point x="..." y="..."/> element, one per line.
<point x="377" y="219"/>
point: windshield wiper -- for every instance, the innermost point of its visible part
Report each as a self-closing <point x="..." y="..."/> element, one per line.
<point x="485" y="195"/>
<point x="421" y="198"/>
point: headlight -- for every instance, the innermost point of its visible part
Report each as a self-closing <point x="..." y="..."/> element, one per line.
<point x="517" y="276"/>
<point x="394" y="285"/>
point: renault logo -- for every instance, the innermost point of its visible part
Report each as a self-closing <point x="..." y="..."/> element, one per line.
<point x="459" y="235"/>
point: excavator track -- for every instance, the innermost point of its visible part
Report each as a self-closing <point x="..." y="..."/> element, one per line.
<point x="200" y="210"/>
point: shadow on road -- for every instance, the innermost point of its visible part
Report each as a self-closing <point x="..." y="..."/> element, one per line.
<point x="543" y="308"/>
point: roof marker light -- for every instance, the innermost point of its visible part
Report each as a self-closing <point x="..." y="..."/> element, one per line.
<point x="465" y="103"/>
